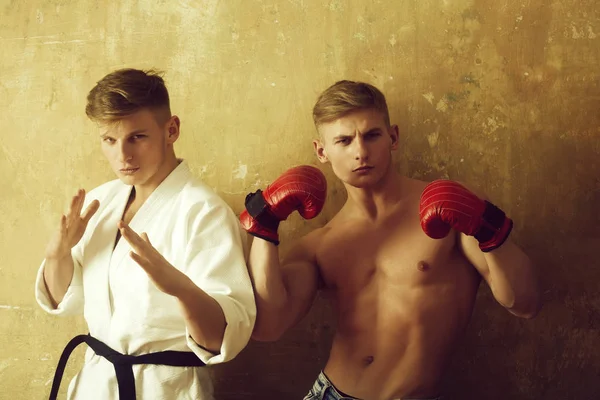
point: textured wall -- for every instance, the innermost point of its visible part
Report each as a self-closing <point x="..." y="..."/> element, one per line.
<point x="503" y="94"/>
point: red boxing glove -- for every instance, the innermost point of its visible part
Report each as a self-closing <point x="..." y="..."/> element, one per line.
<point x="446" y="204"/>
<point x="301" y="188"/>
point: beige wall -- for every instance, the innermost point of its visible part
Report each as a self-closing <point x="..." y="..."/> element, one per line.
<point x="500" y="94"/>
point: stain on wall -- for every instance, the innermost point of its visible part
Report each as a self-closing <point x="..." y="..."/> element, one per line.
<point x="503" y="95"/>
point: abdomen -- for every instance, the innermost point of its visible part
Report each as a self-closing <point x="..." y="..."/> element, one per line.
<point x="394" y="339"/>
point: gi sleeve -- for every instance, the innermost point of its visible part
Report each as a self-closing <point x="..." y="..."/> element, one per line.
<point x="72" y="302"/>
<point x="215" y="262"/>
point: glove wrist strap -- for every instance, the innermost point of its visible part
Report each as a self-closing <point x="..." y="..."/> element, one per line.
<point x="259" y="209"/>
<point x="495" y="228"/>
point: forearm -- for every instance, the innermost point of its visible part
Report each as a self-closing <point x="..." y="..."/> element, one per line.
<point x="203" y="315"/>
<point x="270" y="291"/>
<point x="513" y="280"/>
<point x="58" y="274"/>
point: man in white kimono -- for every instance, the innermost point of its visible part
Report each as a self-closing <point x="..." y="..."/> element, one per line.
<point x="154" y="260"/>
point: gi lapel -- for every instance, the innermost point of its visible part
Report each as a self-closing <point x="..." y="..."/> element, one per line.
<point x="141" y="221"/>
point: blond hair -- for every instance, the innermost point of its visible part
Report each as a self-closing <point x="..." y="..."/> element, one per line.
<point x="344" y="97"/>
<point x="126" y="91"/>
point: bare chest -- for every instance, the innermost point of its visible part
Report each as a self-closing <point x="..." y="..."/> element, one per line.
<point x="396" y="252"/>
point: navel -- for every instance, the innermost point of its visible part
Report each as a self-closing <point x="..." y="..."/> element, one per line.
<point x="368" y="360"/>
<point x="423" y="266"/>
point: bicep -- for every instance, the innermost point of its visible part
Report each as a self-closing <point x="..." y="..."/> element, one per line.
<point x="301" y="282"/>
<point x="470" y="249"/>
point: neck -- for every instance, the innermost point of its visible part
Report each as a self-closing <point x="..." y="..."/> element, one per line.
<point x="373" y="202"/>
<point x="143" y="191"/>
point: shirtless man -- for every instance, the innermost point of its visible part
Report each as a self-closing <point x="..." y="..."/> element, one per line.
<point x="401" y="261"/>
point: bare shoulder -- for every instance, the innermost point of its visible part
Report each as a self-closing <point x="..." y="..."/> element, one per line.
<point x="416" y="184"/>
<point x="413" y="188"/>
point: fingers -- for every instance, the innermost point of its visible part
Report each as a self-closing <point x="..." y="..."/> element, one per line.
<point x="90" y="211"/>
<point x="142" y="250"/>
<point x="135" y="241"/>
<point x="145" y="237"/>
<point x="75" y="206"/>
<point x="77" y="202"/>
<point x="63" y="226"/>
<point x="141" y="261"/>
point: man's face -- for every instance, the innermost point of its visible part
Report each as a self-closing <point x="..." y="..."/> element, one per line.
<point x="137" y="146"/>
<point x="358" y="146"/>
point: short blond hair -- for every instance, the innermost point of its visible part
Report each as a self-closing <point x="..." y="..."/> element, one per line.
<point x="344" y="97"/>
<point x="126" y="91"/>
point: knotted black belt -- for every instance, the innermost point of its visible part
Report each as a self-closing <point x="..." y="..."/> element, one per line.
<point x="123" y="363"/>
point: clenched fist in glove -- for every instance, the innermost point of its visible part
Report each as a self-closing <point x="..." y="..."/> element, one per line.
<point x="446" y="204"/>
<point x="301" y="188"/>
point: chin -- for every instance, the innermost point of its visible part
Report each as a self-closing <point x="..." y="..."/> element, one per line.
<point x="128" y="179"/>
<point x="363" y="183"/>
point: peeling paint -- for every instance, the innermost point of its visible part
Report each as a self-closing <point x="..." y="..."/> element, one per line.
<point x="432" y="138"/>
<point x="6" y="307"/>
<point x="429" y="97"/>
<point x="240" y="172"/>
<point x="442" y="105"/>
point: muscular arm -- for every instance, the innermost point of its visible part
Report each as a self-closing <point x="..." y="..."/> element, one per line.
<point x="284" y="291"/>
<point x="509" y="273"/>
<point x="484" y="238"/>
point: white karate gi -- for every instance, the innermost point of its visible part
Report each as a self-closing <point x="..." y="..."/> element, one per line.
<point x="197" y="232"/>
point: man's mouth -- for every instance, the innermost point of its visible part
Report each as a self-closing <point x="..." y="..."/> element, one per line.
<point x="128" y="170"/>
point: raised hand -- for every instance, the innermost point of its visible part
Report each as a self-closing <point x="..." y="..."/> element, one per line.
<point x="302" y="188"/>
<point x="71" y="228"/>
<point x="166" y="277"/>
<point x="447" y="204"/>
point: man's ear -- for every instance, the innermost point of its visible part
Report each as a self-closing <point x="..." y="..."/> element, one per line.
<point x="320" y="150"/>
<point x="394" y="135"/>
<point x="173" y="125"/>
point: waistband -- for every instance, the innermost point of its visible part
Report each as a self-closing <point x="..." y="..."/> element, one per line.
<point x="123" y="363"/>
<point x="322" y="383"/>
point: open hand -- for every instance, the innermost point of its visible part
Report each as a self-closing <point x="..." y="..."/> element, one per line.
<point x="166" y="277"/>
<point x="72" y="226"/>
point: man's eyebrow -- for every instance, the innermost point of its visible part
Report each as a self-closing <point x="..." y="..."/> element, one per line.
<point x="137" y="132"/>
<point x="342" y="136"/>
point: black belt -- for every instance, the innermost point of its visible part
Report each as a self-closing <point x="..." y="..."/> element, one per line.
<point x="123" y="363"/>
